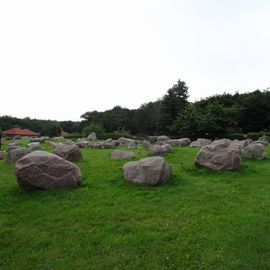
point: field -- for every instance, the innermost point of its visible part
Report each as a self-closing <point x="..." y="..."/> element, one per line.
<point x="200" y="220"/>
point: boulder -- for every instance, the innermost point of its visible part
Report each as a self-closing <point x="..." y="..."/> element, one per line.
<point x="2" y="155"/>
<point x="265" y="139"/>
<point x="163" y="138"/>
<point x="254" y="151"/>
<point x="43" y="170"/>
<point x="16" y="154"/>
<point x="92" y="136"/>
<point x="39" y="139"/>
<point x="149" y="171"/>
<point x="200" y="142"/>
<point x="109" y="145"/>
<point x="180" y="142"/>
<point x="158" y="150"/>
<point x="94" y="145"/>
<point x="152" y="139"/>
<point x="146" y="144"/>
<point x="17" y="137"/>
<point x="54" y="144"/>
<point x="122" y="154"/>
<point x="221" y="155"/>
<point x="126" y="142"/>
<point x="12" y="147"/>
<point x="241" y="144"/>
<point x="69" y="152"/>
<point x="132" y="145"/>
<point x="167" y="147"/>
<point x="34" y="146"/>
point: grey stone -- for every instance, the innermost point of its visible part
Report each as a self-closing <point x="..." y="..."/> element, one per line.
<point x="34" y="146"/>
<point x="122" y="154"/>
<point x="158" y="150"/>
<point x="180" y="142"/>
<point x="254" y="151"/>
<point x="146" y="144"/>
<point x="43" y="170"/>
<point x="163" y="138"/>
<point x="221" y="155"/>
<point x="200" y="142"/>
<point x="69" y="152"/>
<point x="125" y="142"/>
<point x="150" y="171"/>
<point x="264" y="138"/>
<point x="92" y="136"/>
<point x="16" y="154"/>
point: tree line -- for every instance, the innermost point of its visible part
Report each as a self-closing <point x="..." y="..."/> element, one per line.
<point x="172" y="114"/>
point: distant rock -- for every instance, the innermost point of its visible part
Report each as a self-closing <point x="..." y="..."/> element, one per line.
<point x="180" y="142"/>
<point x="157" y="150"/>
<point x="122" y="154"/>
<point x="42" y="170"/>
<point x="34" y="146"/>
<point x="149" y="171"/>
<point x="241" y="144"/>
<point x="163" y="138"/>
<point x="92" y="136"/>
<point x="200" y="142"/>
<point x="221" y="155"/>
<point x="69" y="152"/>
<point x="254" y="151"/>
<point x="126" y="142"/>
<point x="2" y="155"/>
<point x="167" y="147"/>
<point x="264" y="139"/>
<point x="146" y="144"/>
<point x="16" y="154"/>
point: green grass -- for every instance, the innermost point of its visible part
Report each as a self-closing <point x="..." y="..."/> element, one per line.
<point x="200" y="220"/>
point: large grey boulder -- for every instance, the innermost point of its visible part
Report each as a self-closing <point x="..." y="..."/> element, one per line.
<point x="34" y="146"/>
<point x="43" y="170"/>
<point x="69" y="152"/>
<point x="92" y="136"/>
<point x="200" y="142"/>
<point x="122" y="154"/>
<point x="221" y="155"/>
<point x="149" y="171"/>
<point x="264" y="139"/>
<point x="242" y="143"/>
<point x="54" y="144"/>
<point x="180" y="142"/>
<point x="126" y="142"/>
<point x="167" y="147"/>
<point x="146" y="144"/>
<point x="152" y="139"/>
<point x="13" y="145"/>
<point x="39" y="139"/>
<point x="163" y="138"/>
<point x="254" y="151"/>
<point x="16" y="154"/>
<point x="158" y="150"/>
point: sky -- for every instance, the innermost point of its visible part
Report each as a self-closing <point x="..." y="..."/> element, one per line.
<point x="59" y="59"/>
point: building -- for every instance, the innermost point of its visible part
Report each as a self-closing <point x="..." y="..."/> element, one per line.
<point x="20" y="132"/>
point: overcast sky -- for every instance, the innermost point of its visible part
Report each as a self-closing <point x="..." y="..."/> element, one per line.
<point x="59" y="59"/>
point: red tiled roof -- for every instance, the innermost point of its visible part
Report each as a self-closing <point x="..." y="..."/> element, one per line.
<point x="19" y="131"/>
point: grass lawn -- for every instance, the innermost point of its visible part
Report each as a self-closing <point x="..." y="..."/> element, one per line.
<point x="200" y="220"/>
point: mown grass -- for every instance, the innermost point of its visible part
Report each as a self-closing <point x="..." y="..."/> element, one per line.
<point x="200" y="220"/>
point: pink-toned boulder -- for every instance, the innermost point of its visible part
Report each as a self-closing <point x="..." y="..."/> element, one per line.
<point x="43" y="170"/>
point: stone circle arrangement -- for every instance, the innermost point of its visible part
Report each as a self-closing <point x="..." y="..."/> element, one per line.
<point x="36" y="169"/>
